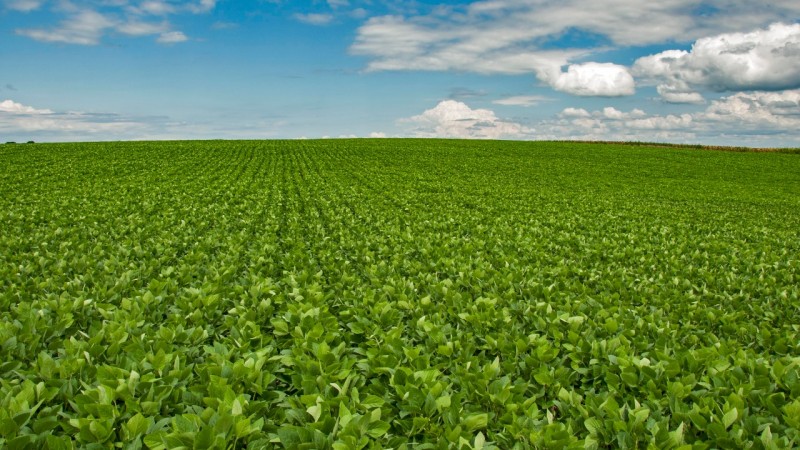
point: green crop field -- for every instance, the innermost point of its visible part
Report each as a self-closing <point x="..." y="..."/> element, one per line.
<point x="405" y="294"/>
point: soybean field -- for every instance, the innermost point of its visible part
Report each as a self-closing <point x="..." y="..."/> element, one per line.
<point x="398" y="294"/>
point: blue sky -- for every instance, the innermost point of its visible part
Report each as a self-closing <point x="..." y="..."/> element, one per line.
<point x="718" y="72"/>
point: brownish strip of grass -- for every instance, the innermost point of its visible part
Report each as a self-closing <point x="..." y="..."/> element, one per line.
<point x="721" y="148"/>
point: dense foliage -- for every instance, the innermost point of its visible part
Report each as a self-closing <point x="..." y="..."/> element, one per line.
<point x="407" y="294"/>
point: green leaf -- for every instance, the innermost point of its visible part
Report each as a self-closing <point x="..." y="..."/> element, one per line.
<point x="204" y="438"/>
<point x="543" y="377"/>
<point x="378" y="429"/>
<point x="292" y="437"/>
<point x="766" y="439"/>
<point x="475" y="422"/>
<point x="479" y="442"/>
<point x="156" y="441"/>
<point x="236" y="408"/>
<point x="297" y="437"/>
<point x="591" y="443"/>
<point x="730" y="417"/>
<point x="373" y="401"/>
<point x="100" y="429"/>
<point x="138" y="425"/>
<point x="630" y="376"/>
<point x="698" y="420"/>
<point x="344" y="415"/>
<point x="22" y="442"/>
<point x="57" y="443"/>
<point x="315" y="411"/>
<point x="676" y="437"/>
<point x="593" y="425"/>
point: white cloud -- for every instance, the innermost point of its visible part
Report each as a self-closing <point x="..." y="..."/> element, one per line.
<point x="592" y="79"/>
<point x="24" y="5"/>
<point x="359" y="13"/>
<point x="623" y="21"/>
<point x="521" y="100"/>
<point x="677" y="92"/>
<point x="338" y="3"/>
<point x="172" y="37"/>
<point x="142" y="28"/>
<point x="575" y="112"/>
<point x="739" y="119"/>
<point x="203" y="6"/>
<point x="84" y="28"/>
<point x="507" y="37"/>
<point x="87" y="22"/>
<point x="20" y="122"/>
<point x="764" y="59"/>
<point x="668" y="122"/>
<point x="26" y="122"/>
<point x="609" y="112"/>
<point x="156" y="7"/>
<point x="453" y="119"/>
<point x="10" y="106"/>
<point x="377" y="134"/>
<point x="762" y="110"/>
<point x="314" y="18"/>
<point x="394" y="43"/>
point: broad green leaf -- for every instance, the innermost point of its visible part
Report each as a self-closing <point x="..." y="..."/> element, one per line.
<point x="766" y="439"/>
<point x="378" y="428"/>
<point x="315" y="411"/>
<point x="479" y="441"/>
<point x="443" y="402"/>
<point x="373" y="401"/>
<point x="593" y="425"/>
<point x="730" y="417"/>
<point x="474" y="422"/>
<point x="138" y="425"/>
<point x="236" y="408"/>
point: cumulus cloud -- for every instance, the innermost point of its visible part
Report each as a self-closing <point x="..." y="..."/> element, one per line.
<point x="314" y="18"/>
<point x="676" y="92"/>
<point x="521" y="100"/>
<point x="764" y="110"/>
<point x="454" y="119"/>
<point x="12" y="107"/>
<point x="740" y="118"/>
<point x="609" y="112"/>
<point x="172" y="37"/>
<point x="764" y="59"/>
<point x="574" y="112"/>
<point x="509" y="37"/>
<point x="592" y="79"/>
